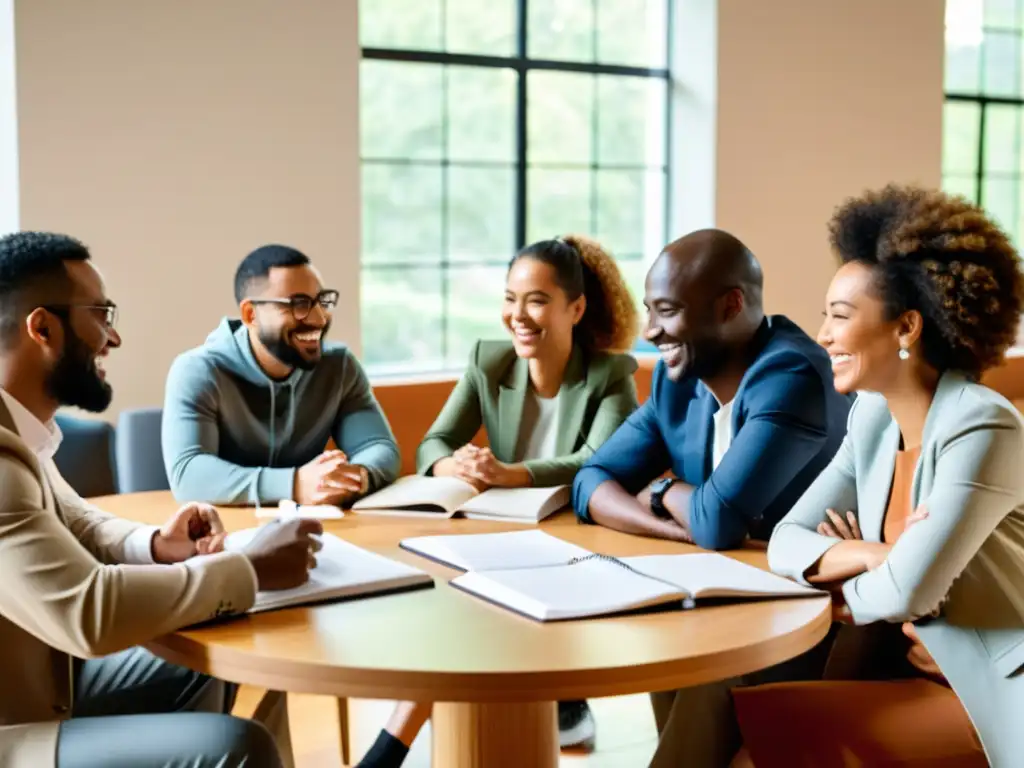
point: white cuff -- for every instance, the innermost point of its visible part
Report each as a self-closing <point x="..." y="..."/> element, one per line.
<point x="138" y="547"/>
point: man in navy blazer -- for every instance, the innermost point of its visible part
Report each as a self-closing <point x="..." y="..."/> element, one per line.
<point x="742" y="408"/>
<point x="742" y="417"/>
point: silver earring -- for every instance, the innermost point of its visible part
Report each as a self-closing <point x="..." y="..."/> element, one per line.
<point x="904" y="353"/>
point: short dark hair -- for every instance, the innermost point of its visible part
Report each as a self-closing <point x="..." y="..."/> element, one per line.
<point x="942" y="256"/>
<point x="32" y="273"/>
<point x="257" y="265"/>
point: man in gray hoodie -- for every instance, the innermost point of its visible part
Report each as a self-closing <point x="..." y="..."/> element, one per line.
<point x="247" y="416"/>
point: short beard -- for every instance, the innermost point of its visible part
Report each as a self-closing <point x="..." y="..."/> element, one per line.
<point x="74" y="380"/>
<point x="278" y="346"/>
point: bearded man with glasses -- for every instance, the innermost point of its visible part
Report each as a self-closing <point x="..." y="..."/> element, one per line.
<point x="248" y="414"/>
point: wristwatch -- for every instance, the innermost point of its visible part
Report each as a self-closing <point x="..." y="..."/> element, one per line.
<point x="658" y="490"/>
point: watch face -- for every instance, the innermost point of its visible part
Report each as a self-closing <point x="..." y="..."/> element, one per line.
<point x="659" y="486"/>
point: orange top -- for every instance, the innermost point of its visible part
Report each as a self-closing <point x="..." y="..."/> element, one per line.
<point x="899" y="509"/>
<point x="896" y="514"/>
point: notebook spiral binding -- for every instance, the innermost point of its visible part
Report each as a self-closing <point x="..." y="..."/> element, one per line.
<point x="688" y="602"/>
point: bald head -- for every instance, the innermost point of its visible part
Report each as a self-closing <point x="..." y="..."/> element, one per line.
<point x="716" y="261"/>
<point x="703" y="295"/>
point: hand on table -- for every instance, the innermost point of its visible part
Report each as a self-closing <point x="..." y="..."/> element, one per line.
<point x="329" y="479"/>
<point x="195" y="529"/>
<point x="283" y="551"/>
<point x="918" y="655"/>
<point x="481" y="469"/>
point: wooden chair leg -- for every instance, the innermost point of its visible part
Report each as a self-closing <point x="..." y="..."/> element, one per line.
<point x="343" y="729"/>
<point x="272" y="711"/>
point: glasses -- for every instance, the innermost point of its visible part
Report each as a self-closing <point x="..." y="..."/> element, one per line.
<point x="301" y="305"/>
<point x="109" y="311"/>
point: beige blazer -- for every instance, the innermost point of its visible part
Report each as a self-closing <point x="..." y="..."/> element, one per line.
<point x="63" y="594"/>
<point x="960" y="572"/>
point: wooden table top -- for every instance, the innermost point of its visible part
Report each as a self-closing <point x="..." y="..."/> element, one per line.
<point x="441" y="644"/>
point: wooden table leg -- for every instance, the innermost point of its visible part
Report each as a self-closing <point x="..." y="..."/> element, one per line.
<point x="495" y="735"/>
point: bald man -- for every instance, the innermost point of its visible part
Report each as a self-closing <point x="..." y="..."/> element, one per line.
<point x="742" y="417"/>
<point x="742" y="414"/>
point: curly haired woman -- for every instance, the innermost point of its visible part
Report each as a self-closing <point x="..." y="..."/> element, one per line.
<point x="917" y="525"/>
<point x="547" y="399"/>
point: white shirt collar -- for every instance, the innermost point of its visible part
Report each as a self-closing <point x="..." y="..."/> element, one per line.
<point x="42" y="439"/>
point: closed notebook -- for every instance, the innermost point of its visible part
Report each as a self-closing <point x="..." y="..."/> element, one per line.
<point x="548" y="579"/>
<point x="342" y="571"/>
<point x="449" y="497"/>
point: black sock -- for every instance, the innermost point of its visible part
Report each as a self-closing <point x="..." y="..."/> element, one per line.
<point x="386" y="752"/>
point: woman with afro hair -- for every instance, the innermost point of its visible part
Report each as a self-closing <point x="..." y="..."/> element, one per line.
<point x="546" y="398"/>
<point x="917" y="525"/>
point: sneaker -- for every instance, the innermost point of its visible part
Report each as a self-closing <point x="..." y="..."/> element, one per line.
<point x="575" y="725"/>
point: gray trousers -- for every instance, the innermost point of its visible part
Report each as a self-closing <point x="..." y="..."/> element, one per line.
<point x="134" y="710"/>
<point x="697" y="726"/>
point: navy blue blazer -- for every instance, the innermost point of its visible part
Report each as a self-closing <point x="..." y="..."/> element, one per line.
<point x="787" y="424"/>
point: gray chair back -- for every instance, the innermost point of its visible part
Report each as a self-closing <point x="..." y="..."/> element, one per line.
<point x="140" y="459"/>
<point x="86" y="455"/>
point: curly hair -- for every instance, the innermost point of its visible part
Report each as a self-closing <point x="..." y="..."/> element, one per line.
<point x="942" y="256"/>
<point x="583" y="267"/>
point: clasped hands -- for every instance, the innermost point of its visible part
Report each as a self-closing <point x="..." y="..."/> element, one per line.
<point x="330" y="479"/>
<point x="480" y="468"/>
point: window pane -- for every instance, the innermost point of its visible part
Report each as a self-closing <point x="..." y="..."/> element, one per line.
<point x="561" y="30"/>
<point x="481" y="213"/>
<point x="474" y="26"/>
<point x="401" y="319"/>
<point x="401" y="213"/>
<point x="961" y="123"/>
<point x="1002" y="13"/>
<point x="400" y="110"/>
<point x="481" y="114"/>
<point x="400" y="24"/>
<point x="631" y="120"/>
<point x="1002" y="64"/>
<point x="963" y="66"/>
<point x="962" y="185"/>
<point x="634" y="271"/>
<point x="632" y="32"/>
<point x="474" y="309"/>
<point x="630" y="211"/>
<point x="1002" y="139"/>
<point x="560" y="115"/>
<point x="558" y="203"/>
<point x="1001" y="200"/>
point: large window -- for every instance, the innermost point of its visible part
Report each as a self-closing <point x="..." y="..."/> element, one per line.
<point x="487" y="125"/>
<point x="982" y="156"/>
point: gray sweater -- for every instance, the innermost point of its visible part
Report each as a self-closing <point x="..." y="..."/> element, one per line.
<point x="233" y="435"/>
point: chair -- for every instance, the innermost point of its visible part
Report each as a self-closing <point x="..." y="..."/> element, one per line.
<point x="86" y="456"/>
<point x="140" y="459"/>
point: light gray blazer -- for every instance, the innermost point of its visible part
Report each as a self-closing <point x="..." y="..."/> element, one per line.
<point x="961" y="570"/>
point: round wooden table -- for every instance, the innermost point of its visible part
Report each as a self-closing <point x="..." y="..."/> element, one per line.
<point x="495" y="676"/>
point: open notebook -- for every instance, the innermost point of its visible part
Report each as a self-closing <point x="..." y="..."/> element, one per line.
<point x="548" y="579"/>
<point x="343" y="570"/>
<point x="448" y="497"/>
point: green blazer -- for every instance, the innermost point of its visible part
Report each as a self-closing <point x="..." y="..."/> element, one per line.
<point x="596" y="397"/>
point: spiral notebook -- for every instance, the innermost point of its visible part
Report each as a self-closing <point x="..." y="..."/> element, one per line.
<point x="548" y="579"/>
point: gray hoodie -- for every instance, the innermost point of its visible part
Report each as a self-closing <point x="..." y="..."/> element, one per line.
<point x="233" y="435"/>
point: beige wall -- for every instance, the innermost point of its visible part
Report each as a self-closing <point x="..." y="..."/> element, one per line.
<point x="174" y="137"/>
<point x="816" y="102"/>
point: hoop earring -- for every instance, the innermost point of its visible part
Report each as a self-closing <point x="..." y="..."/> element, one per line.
<point x="904" y="353"/>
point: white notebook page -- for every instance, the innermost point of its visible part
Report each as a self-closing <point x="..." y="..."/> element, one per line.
<point x="342" y="570"/>
<point x="713" y="575"/>
<point x="496" y="551"/>
<point x="590" y="588"/>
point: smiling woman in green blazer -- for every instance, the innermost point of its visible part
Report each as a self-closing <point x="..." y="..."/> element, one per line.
<point x="547" y="398"/>
<point x="554" y="392"/>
